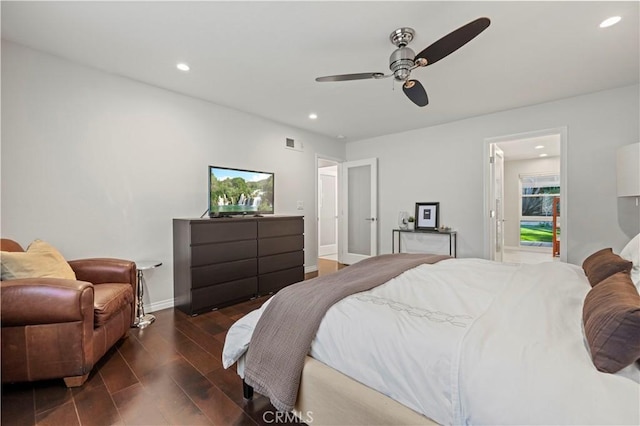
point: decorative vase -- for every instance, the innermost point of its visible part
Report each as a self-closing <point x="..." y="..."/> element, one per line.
<point x="403" y="220"/>
<point x="411" y="226"/>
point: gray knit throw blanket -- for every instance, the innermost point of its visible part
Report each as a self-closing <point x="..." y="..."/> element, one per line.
<point x="282" y="338"/>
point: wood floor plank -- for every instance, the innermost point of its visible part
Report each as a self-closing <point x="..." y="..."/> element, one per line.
<point x="171" y="400"/>
<point x="208" y="398"/>
<point x="202" y="360"/>
<point x="17" y="404"/>
<point x="259" y="408"/>
<point x="161" y="344"/>
<point x="95" y="406"/>
<point x="228" y="382"/>
<point x="220" y="337"/>
<point x="64" y="414"/>
<point x="50" y="394"/>
<point x="220" y="319"/>
<point x="137" y="407"/>
<point x="208" y="325"/>
<point x="139" y="359"/>
<point x="202" y="338"/>
<point x="116" y="373"/>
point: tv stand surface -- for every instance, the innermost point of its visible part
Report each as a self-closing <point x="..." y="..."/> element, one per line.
<point x="221" y="262"/>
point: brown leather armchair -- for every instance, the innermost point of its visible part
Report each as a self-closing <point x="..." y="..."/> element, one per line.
<point x="54" y="328"/>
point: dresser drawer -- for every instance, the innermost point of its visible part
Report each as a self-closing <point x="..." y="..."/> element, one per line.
<point x="203" y="276"/>
<point x="222" y="294"/>
<point x="207" y="254"/>
<point x="219" y="231"/>
<point x="278" y="262"/>
<point x="277" y="245"/>
<point x="279" y="228"/>
<point x="272" y="282"/>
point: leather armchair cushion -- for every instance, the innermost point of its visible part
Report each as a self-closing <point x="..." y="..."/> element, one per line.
<point x="41" y="260"/>
<point x="109" y="299"/>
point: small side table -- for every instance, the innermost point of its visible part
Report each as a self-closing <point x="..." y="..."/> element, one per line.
<point x="143" y="320"/>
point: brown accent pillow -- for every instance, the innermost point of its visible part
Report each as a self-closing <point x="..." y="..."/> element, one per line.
<point x="604" y="263"/>
<point x="611" y="317"/>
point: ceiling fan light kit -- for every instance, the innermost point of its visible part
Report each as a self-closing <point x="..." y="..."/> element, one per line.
<point x="403" y="60"/>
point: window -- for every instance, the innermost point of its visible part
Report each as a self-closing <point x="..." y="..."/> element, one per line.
<point x="536" y="212"/>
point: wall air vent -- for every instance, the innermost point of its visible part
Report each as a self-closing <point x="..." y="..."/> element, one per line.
<point x="293" y="144"/>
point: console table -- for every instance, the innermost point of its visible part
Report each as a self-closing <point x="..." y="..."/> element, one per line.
<point x="452" y="235"/>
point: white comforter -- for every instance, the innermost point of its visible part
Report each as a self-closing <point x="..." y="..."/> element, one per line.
<point x="469" y="341"/>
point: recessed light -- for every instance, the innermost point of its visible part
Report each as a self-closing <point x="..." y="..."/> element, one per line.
<point x="313" y="116"/>
<point x="340" y="136"/>
<point x="542" y="155"/>
<point x="183" y="67"/>
<point x="538" y="147"/>
<point x="610" y="21"/>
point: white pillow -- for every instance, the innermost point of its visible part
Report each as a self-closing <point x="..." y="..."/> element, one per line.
<point x="631" y="252"/>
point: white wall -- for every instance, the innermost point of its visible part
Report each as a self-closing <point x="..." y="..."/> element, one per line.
<point x="98" y="164"/>
<point x="445" y="163"/>
<point x="512" y="171"/>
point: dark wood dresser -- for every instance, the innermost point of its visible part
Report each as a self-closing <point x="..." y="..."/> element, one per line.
<point x="217" y="262"/>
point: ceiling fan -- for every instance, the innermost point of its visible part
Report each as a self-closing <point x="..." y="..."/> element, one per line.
<point x="403" y="60"/>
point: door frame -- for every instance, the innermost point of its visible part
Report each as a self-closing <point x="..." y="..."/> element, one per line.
<point x="496" y="242"/>
<point x="562" y="131"/>
<point x="338" y="161"/>
<point x="336" y="188"/>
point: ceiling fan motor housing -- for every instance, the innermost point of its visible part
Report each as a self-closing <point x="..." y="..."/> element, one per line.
<point x="401" y="63"/>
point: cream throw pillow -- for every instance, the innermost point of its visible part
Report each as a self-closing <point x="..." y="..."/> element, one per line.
<point x="41" y="260"/>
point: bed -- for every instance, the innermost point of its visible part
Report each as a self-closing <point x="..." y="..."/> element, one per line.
<point x="464" y="341"/>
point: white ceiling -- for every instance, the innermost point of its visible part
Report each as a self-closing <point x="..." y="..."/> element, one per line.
<point x="531" y="148"/>
<point x="263" y="57"/>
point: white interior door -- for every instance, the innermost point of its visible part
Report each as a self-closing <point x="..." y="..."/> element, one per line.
<point x="496" y="202"/>
<point x="359" y="210"/>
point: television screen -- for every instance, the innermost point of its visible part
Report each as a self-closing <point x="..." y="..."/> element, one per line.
<point x="236" y="191"/>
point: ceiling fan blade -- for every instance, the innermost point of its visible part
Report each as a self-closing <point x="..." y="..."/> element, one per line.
<point x="415" y="91"/>
<point x="347" y="77"/>
<point x="453" y="41"/>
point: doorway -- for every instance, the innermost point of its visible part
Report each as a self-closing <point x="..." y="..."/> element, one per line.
<point x="327" y="209"/>
<point x="346" y="210"/>
<point x="525" y="187"/>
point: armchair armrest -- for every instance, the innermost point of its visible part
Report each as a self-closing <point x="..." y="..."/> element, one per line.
<point x="31" y="301"/>
<point x="105" y="270"/>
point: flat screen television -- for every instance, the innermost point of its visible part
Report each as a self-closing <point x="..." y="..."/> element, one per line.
<point x="239" y="192"/>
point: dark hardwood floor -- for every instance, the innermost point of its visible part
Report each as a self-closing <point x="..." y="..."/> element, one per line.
<point x="167" y="374"/>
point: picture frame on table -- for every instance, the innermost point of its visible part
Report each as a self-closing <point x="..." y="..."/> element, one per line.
<point x="427" y="216"/>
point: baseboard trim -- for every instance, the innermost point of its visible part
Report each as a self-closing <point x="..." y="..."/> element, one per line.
<point x="160" y="305"/>
<point x="310" y="268"/>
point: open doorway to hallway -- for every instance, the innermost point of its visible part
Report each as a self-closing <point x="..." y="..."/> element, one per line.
<point x="529" y="184"/>
<point x="327" y="210"/>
